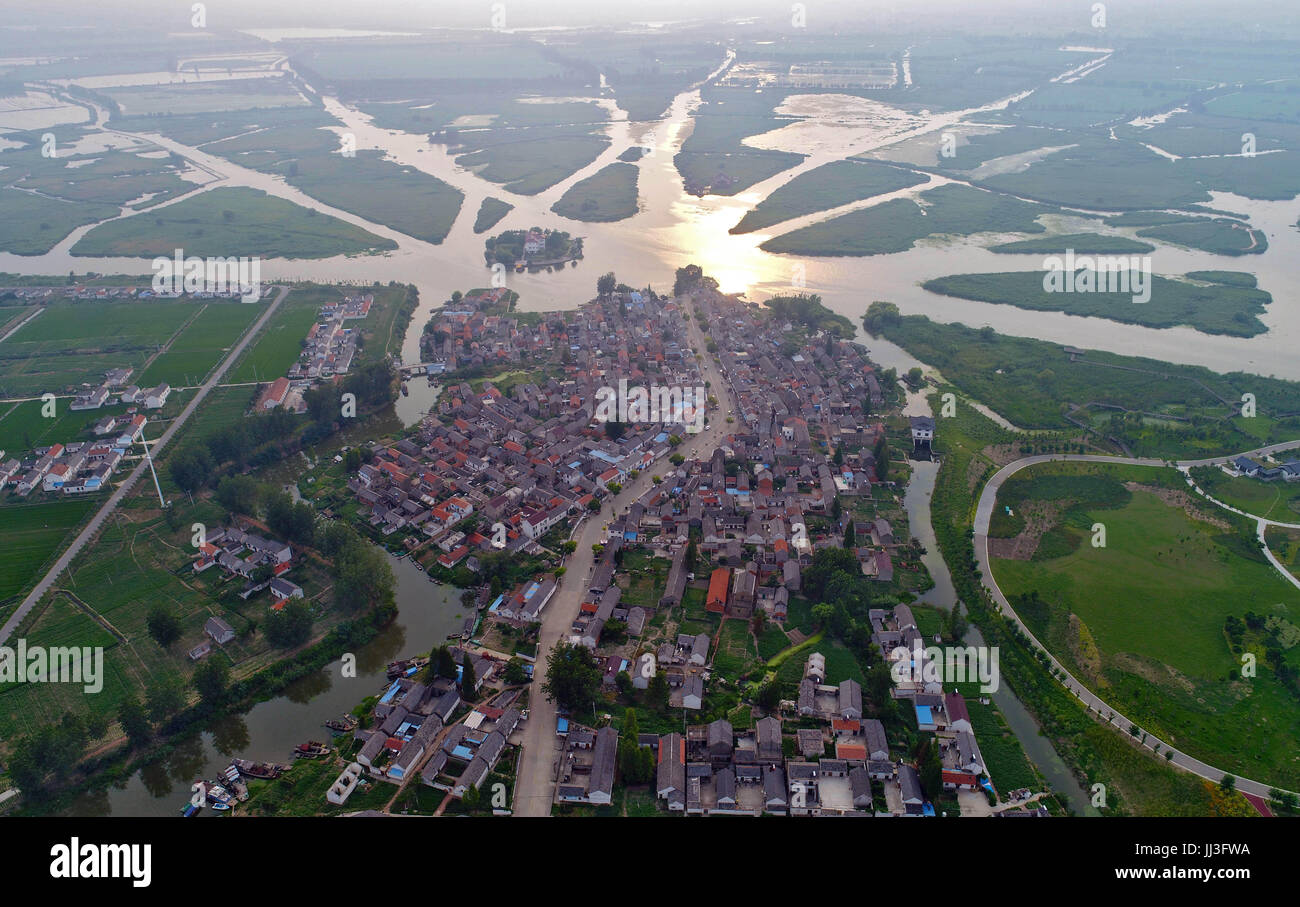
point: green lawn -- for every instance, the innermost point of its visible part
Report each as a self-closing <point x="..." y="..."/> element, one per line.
<point x="1272" y="500"/>
<point x="1081" y="243"/>
<point x="34" y="224"/>
<point x="1159" y="655"/>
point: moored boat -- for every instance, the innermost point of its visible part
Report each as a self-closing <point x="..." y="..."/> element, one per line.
<point x="311" y="750"/>
<point x="341" y="725"/>
<point x="264" y="770"/>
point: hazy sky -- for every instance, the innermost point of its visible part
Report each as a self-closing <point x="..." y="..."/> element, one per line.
<point x="1131" y="16"/>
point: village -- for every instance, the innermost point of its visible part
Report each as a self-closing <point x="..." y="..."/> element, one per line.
<point x="714" y="554"/>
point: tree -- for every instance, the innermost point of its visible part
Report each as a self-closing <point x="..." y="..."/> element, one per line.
<point x="881" y="453"/>
<point x="850" y="536"/>
<point x="164" y="699"/>
<point x="190" y="468"/>
<point x="163" y="625"/>
<point x="657" y="692"/>
<point x="210" y="679"/>
<point x="769" y="697"/>
<point x="606" y="284"/>
<point x="468" y="681"/>
<point x="514" y="673"/>
<point x="572" y="676"/>
<point x="290" y="626"/>
<point x="471" y="797"/>
<point x="135" y="724"/>
<point x="446" y="663"/>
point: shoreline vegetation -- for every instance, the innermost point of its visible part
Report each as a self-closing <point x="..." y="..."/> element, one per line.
<point x="1138" y="406"/>
<point x="1217" y="308"/>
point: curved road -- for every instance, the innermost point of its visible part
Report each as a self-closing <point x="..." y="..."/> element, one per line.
<point x="124" y="487"/>
<point x="535" y="790"/>
<point x="983" y="515"/>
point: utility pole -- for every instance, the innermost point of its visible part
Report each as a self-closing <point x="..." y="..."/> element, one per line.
<point x="148" y="459"/>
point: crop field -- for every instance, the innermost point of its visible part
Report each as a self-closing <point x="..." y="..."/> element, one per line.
<point x="280" y="342"/>
<point x="230" y="222"/>
<point x="31" y="532"/>
<point x="1162" y="658"/>
<point x="71" y="343"/>
<point x="201" y="345"/>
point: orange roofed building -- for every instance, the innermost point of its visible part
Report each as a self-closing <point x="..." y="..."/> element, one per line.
<point x="719" y="585"/>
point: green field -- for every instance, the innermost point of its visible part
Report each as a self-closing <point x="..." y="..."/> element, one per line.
<point x="826" y="187"/>
<point x="206" y="97"/>
<point x="30" y="534"/>
<point x="896" y="225"/>
<point x="1213" y="309"/>
<point x="34" y="224"/>
<point x="201" y="345"/>
<point x="381" y="191"/>
<point x="1081" y="243"/>
<point x="230" y="222"/>
<point x="1276" y="500"/>
<point x="1157" y="408"/>
<point x="1163" y="658"/>
<point x="715" y="159"/>
<point x="526" y="161"/>
<point x="277" y="347"/>
<point x="490" y="213"/>
<point x="1222" y="237"/>
<point x="77" y="341"/>
<point x="607" y="195"/>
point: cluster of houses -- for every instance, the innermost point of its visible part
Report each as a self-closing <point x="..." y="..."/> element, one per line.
<point x="420" y="731"/>
<point x="833" y="762"/>
<point x="262" y="562"/>
<point x="114" y="389"/>
<point x="1265" y="470"/>
<point x="78" y="467"/>
<point x="522" y="463"/>
<point x="331" y="345"/>
<point x="327" y="352"/>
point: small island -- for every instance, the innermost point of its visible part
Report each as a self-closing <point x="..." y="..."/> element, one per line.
<point x="532" y="249"/>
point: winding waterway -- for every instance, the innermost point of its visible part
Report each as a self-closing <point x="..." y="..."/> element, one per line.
<point x="270" y="730"/>
<point x="673" y="228"/>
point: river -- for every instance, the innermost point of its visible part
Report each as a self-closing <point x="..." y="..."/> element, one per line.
<point x="920" y="490"/>
<point x="673" y="228"/>
<point x="268" y="732"/>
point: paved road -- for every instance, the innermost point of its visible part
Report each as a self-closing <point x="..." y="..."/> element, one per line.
<point x="124" y="487"/>
<point x="983" y="515"/>
<point x="535" y="789"/>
